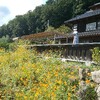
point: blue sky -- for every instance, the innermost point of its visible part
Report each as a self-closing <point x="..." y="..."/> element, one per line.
<point x="10" y="8"/>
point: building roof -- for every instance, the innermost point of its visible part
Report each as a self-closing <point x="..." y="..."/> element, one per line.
<point x="86" y="34"/>
<point x="42" y="35"/>
<point x="81" y="34"/>
<point x="90" y="13"/>
<point x="95" y="5"/>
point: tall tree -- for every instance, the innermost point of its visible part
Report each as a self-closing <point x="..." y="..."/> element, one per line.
<point x="20" y="26"/>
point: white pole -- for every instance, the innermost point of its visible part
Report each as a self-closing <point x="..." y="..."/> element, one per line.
<point x="48" y="24"/>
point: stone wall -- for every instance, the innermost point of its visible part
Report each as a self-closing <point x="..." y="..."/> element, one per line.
<point x="89" y="86"/>
<point x="96" y="79"/>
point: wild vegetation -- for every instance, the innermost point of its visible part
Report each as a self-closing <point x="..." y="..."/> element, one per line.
<point x="26" y="74"/>
<point x="29" y="75"/>
<point x="96" y="55"/>
<point x="53" y="13"/>
<point x="5" y="41"/>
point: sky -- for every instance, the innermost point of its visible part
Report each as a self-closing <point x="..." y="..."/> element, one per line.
<point x="10" y="8"/>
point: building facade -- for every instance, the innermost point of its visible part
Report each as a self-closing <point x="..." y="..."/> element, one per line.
<point x="88" y="28"/>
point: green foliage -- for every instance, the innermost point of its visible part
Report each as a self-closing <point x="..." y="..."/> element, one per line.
<point x="4" y="42"/>
<point x="78" y="7"/>
<point x="50" y="29"/>
<point x="96" y="54"/>
<point x="91" y="93"/>
<point x="14" y="45"/>
<point x="49" y="2"/>
<point x="62" y="29"/>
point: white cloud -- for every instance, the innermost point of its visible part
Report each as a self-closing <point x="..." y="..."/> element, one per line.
<point x="18" y="7"/>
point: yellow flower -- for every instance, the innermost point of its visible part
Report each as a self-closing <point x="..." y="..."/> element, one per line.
<point x="59" y="82"/>
<point x="53" y="94"/>
<point x="69" y="94"/>
<point x="56" y="74"/>
<point x="89" y="74"/>
<point x="25" y="83"/>
<point x="72" y="73"/>
<point x="25" y="97"/>
<point x="21" y="79"/>
<point x="45" y="85"/>
<point x="36" y="94"/>
<point x="69" y="98"/>
<point x="87" y="81"/>
<point x="74" y="87"/>
<point x="65" y="83"/>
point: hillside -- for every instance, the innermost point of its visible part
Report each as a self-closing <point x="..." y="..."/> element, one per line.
<point x="54" y="13"/>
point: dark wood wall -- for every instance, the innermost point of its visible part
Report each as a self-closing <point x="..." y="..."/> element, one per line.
<point x="76" y="52"/>
<point x="81" y="24"/>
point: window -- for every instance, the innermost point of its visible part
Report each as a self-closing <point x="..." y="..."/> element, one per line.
<point x="98" y="25"/>
<point x="91" y="26"/>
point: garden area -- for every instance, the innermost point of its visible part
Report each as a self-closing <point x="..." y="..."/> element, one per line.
<point x="26" y="74"/>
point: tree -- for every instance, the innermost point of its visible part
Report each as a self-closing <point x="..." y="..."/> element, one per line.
<point x="63" y="29"/>
<point x="56" y="11"/>
<point x="50" y="29"/>
<point x="49" y="2"/>
<point x="3" y="30"/>
<point x="30" y="21"/>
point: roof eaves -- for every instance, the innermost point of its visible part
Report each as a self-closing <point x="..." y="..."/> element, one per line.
<point x="85" y="15"/>
<point x="90" y="33"/>
<point x="97" y="4"/>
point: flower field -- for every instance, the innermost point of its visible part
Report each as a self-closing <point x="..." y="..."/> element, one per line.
<point x="29" y="75"/>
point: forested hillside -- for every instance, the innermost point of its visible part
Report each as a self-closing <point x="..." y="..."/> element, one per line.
<point x="54" y="11"/>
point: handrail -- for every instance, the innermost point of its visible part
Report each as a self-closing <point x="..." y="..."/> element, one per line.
<point x="65" y="44"/>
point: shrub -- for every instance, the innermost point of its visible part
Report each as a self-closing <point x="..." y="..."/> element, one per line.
<point x="91" y="94"/>
<point x="4" y="42"/>
<point x="96" y="54"/>
<point x="62" y="29"/>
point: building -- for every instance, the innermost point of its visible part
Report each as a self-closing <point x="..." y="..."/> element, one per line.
<point x="88" y="27"/>
<point x="86" y="36"/>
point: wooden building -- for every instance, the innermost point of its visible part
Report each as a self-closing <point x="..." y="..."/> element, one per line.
<point x="88" y="27"/>
<point x="88" y="32"/>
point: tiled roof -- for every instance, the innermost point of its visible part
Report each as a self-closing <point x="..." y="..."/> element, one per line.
<point x="85" y="15"/>
<point x="42" y="35"/>
<point x="84" y="34"/>
<point x="95" y="5"/>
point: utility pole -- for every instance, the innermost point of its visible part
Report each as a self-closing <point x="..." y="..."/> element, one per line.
<point x="37" y="30"/>
<point x="48" y="24"/>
